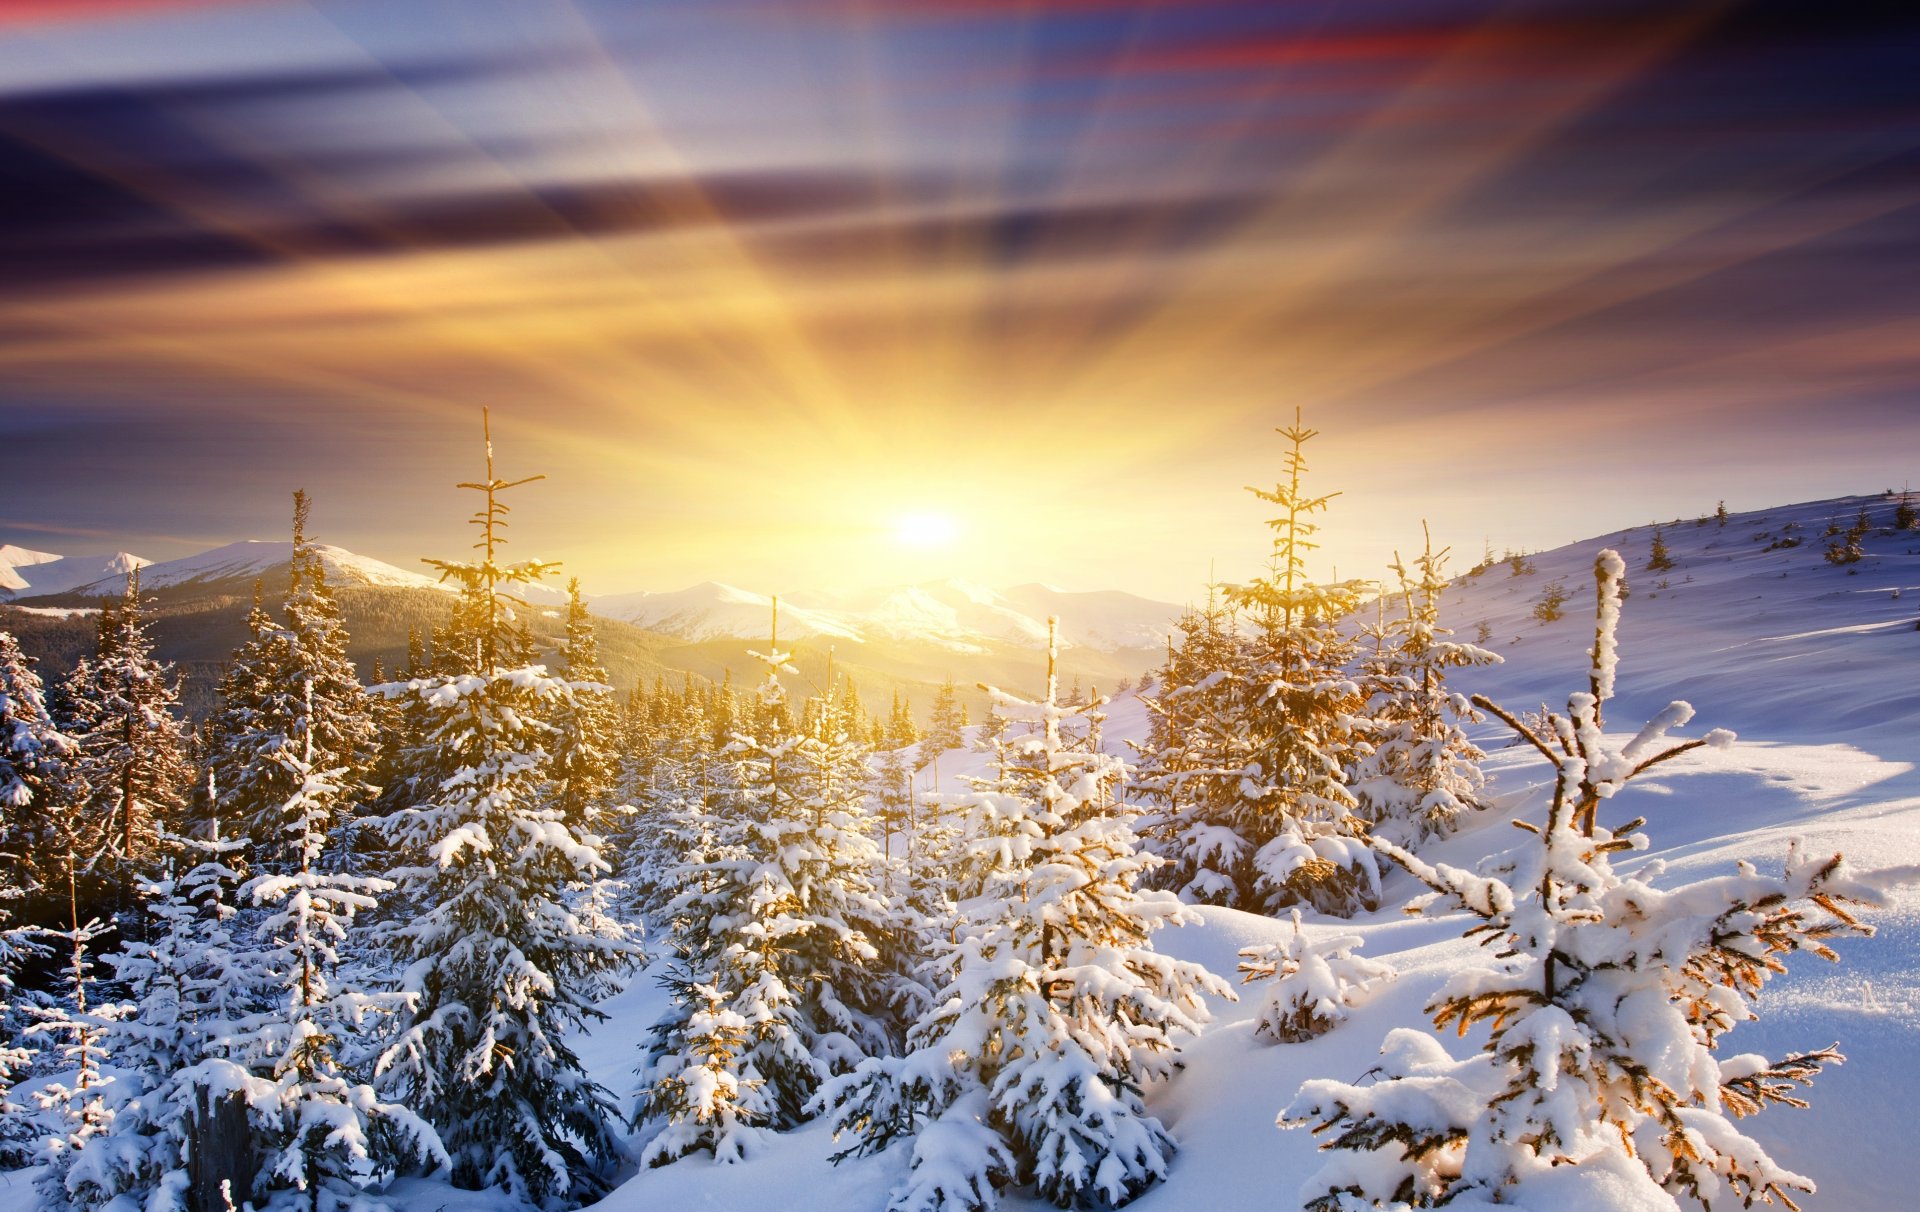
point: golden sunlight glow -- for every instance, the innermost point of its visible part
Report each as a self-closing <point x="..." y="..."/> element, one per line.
<point x="925" y="530"/>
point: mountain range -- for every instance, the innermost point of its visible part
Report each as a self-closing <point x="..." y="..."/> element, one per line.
<point x="952" y="615"/>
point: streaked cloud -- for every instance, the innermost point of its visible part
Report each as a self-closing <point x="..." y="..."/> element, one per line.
<point x="753" y="279"/>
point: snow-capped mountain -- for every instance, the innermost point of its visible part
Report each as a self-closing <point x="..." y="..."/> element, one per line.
<point x="953" y="614"/>
<point x="254" y="558"/>
<point x="24" y="572"/>
<point x="712" y="610"/>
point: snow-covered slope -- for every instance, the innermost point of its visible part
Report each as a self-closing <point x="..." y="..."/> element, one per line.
<point x="953" y="614"/>
<point x="24" y="572"/>
<point x="1820" y="672"/>
<point x="1759" y="636"/>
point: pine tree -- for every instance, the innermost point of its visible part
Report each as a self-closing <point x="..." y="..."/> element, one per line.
<point x="1659" y="559"/>
<point x="943" y="729"/>
<point x="585" y="768"/>
<point x="500" y="963"/>
<point x="1054" y="1011"/>
<point x="121" y="707"/>
<point x="315" y="1130"/>
<point x="265" y="714"/>
<point x="1905" y="517"/>
<point x="189" y="988"/>
<point x="1420" y="772"/>
<point x="778" y="929"/>
<point x="1192" y="762"/>
<point x="1606" y="1003"/>
<point x="33" y="757"/>
<point x="34" y="785"/>
<point x="1294" y="713"/>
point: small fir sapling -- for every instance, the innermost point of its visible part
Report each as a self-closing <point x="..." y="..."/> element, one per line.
<point x="1659" y="559"/>
<point x="1549" y="609"/>
<point x="1606" y="1004"/>
<point x="1720" y="513"/>
<point x="1313" y="984"/>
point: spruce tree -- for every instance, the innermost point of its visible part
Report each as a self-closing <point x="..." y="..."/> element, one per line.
<point x="1314" y="984"/>
<point x="1659" y="559"/>
<point x="501" y="965"/>
<point x="131" y="769"/>
<point x="1054" y="1011"/>
<point x="316" y="1129"/>
<point x="778" y="928"/>
<point x="943" y="729"/>
<point x="1294" y="719"/>
<point x="1606" y="1003"/>
<point x="585" y="763"/>
<point x="33" y="758"/>
<point x="1419" y="773"/>
<point x="1192" y="761"/>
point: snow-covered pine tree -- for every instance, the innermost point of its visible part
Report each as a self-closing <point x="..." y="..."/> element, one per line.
<point x="1193" y="761"/>
<point x="83" y="1022"/>
<point x="34" y="755"/>
<point x="687" y="780"/>
<point x="188" y="988"/>
<point x="1296" y="710"/>
<point x="122" y="709"/>
<point x="1313" y="984"/>
<point x="266" y="713"/>
<point x="891" y="788"/>
<point x="33" y="774"/>
<point x="1606" y="1004"/>
<point x="585" y="765"/>
<point x="1419" y="773"/>
<point x="943" y="729"/>
<point x="1055" y="1011"/>
<point x="315" y="1130"/>
<point x="778" y="928"/>
<point x="501" y="966"/>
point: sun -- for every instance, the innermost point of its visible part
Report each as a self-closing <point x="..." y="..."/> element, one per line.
<point x="925" y="530"/>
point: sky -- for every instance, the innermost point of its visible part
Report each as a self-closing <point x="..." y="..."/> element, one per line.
<point x="836" y="293"/>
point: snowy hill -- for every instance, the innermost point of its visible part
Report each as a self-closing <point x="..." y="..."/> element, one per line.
<point x="1760" y="635"/>
<point x="954" y="615"/>
<point x="1819" y="669"/>
<point x="25" y="573"/>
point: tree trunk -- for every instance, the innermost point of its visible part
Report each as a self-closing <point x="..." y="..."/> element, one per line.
<point x="220" y="1161"/>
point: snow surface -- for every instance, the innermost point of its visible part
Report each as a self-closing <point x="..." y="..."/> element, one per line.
<point x="24" y="572"/>
<point x="1818" y="669"/>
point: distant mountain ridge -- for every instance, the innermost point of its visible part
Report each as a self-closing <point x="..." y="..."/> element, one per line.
<point x="953" y="616"/>
<point x="957" y="616"/>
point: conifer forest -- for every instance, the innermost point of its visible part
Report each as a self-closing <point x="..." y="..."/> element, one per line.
<point x="1287" y="606"/>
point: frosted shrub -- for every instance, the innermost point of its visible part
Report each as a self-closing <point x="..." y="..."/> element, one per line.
<point x="1313" y="984"/>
